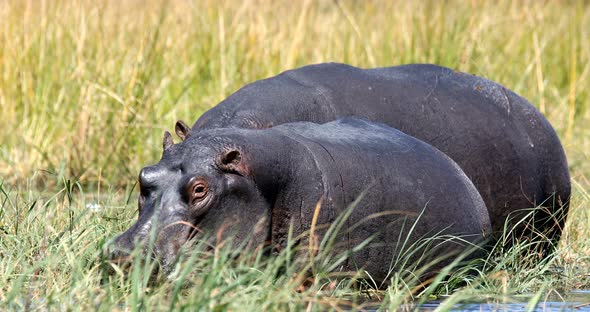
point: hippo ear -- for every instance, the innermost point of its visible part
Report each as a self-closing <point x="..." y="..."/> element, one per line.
<point x="232" y="161"/>
<point x="167" y="140"/>
<point x="182" y="129"/>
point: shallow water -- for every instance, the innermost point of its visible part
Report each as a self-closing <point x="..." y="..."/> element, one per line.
<point x="576" y="300"/>
<point x="542" y="306"/>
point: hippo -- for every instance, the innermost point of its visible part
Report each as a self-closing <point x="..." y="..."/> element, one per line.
<point x="502" y="142"/>
<point x="255" y="184"/>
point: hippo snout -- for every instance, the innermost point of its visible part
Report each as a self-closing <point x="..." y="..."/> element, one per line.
<point x="118" y="249"/>
<point x="144" y="243"/>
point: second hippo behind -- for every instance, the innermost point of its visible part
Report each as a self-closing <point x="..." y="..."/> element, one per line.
<point x="255" y="184"/>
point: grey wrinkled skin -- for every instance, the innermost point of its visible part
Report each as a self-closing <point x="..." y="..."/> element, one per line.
<point x="259" y="182"/>
<point x="504" y="144"/>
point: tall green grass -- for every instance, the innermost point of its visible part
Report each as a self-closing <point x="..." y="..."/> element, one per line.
<point x="87" y="88"/>
<point x="52" y="258"/>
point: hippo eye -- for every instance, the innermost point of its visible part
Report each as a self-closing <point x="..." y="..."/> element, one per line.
<point x="198" y="190"/>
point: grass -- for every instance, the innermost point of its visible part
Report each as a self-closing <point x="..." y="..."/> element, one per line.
<point x="88" y="87"/>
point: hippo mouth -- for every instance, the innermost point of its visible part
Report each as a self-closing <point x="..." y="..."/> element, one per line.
<point x="162" y="254"/>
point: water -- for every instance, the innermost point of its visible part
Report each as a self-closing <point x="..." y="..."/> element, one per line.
<point x="575" y="300"/>
<point x="516" y="307"/>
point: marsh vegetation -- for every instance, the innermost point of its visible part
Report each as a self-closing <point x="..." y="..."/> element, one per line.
<point x="88" y="87"/>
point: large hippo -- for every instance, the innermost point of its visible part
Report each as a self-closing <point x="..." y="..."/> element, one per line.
<point x="503" y="143"/>
<point x="255" y="184"/>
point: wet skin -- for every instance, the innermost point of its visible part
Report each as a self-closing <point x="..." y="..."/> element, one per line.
<point x="253" y="184"/>
<point x="503" y="143"/>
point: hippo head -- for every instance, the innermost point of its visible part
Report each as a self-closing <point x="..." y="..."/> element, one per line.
<point x="201" y="187"/>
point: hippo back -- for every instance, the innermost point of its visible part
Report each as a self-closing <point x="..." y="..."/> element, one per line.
<point x="503" y="143"/>
<point x="391" y="175"/>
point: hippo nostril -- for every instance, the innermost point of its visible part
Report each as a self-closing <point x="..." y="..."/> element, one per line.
<point x="148" y="177"/>
<point x="143" y="176"/>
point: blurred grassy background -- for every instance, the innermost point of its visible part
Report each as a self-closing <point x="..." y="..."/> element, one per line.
<point x="88" y="87"/>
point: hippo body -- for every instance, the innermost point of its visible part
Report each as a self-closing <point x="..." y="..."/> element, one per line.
<point x="255" y="184"/>
<point x="504" y="144"/>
